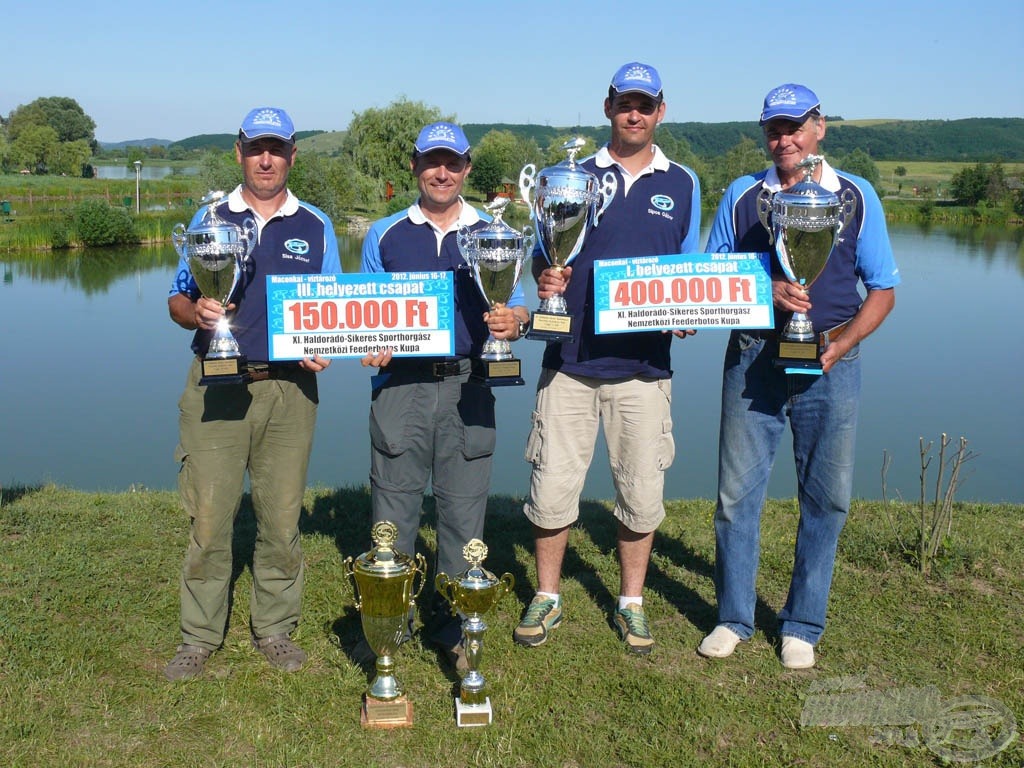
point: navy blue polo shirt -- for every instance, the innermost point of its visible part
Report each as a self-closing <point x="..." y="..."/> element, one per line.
<point x="632" y="225"/>
<point x="298" y="239"/>
<point x="863" y="252"/>
<point x="408" y="242"/>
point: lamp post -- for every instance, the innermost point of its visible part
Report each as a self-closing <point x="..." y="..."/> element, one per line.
<point x="138" y="175"/>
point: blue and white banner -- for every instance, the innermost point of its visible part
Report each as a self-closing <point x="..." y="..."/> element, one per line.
<point x="352" y="314"/>
<point x="687" y="290"/>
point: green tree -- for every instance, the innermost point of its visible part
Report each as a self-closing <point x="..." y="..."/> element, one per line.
<point x="218" y="171"/>
<point x="61" y="113"/>
<point x="859" y="163"/>
<point x="969" y="185"/>
<point x="900" y="171"/>
<point x="35" y="147"/>
<point x="501" y="155"/>
<point x="379" y="142"/>
<point x="744" y="158"/>
<point x="98" y="223"/>
<point x="70" y="157"/>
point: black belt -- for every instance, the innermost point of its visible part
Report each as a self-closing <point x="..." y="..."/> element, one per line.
<point x="264" y="371"/>
<point x="430" y="369"/>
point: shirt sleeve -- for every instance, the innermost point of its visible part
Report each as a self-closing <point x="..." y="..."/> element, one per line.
<point x="371" y="261"/>
<point x="691" y="243"/>
<point x="876" y="264"/>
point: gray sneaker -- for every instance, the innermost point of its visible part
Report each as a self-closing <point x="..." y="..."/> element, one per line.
<point x="541" y="616"/>
<point x="187" y="663"/>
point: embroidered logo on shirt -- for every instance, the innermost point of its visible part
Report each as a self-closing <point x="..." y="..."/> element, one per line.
<point x="296" y="246"/>
<point x="663" y="202"/>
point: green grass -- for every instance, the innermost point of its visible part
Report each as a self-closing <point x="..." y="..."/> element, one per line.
<point x="89" y="616"/>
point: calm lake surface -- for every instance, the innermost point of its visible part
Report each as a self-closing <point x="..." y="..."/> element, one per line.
<point x="93" y="368"/>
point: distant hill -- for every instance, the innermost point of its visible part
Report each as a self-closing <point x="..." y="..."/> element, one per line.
<point x="978" y="139"/>
<point x="108" y="145"/>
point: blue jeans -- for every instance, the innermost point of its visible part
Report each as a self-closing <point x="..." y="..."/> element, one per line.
<point x="757" y="399"/>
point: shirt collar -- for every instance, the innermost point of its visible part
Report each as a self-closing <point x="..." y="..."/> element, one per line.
<point x="237" y="204"/>
<point x="829" y="178"/>
<point x="467" y="217"/>
<point x="659" y="162"/>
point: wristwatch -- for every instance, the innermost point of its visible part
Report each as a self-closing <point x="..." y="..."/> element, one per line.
<point x="524" y="326"/>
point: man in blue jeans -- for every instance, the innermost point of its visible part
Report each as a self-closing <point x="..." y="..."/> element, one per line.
<point x="758" y="397"/>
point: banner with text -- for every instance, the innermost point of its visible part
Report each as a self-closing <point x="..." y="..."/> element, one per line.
<point x="349" y="315"/>
<point x="683" y="290"/>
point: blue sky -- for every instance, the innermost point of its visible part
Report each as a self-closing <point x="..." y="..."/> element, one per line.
<point x="172" y="70"/>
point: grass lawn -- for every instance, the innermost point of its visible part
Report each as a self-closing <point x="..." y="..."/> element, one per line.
<point x="90" y="613"/>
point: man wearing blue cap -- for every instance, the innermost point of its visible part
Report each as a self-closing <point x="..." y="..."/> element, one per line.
<point x="621" y="381"/>
<point x="429" y="423"/>
<point x="264" y="425"/>
<point x="758" y="397"/>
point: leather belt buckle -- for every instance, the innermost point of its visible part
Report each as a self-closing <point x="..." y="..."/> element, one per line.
<point x="258" y="372"/>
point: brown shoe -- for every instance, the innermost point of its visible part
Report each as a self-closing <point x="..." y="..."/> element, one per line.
<point x="187" y="662"/>
<point x="281" y="652"/>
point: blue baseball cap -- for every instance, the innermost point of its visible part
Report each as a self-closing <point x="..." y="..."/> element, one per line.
<point x="637" y="78"/>
<point x="442" y="136"/>
<point x="267" y="121"/>
<point x="790" y="102"/>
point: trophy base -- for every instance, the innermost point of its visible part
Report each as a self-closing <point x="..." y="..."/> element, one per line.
<point x="224" y="370"/>
<point x="472" y="715"/>
<point x="546" y="326"/>
<point x="396" y="713"/>
<point x="799" y="357"/>
<point x="497" y="373"/>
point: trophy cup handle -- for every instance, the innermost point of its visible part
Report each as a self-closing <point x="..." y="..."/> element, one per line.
<point x="529" y="241"/>
<point x="249" y="236"/>
<point x="847" y="207"/>
<point x="609" y="186"/>
<point x="764" y="210"/>
<point x="421" y="569"/>
<point x="446" y="588"/>
<point x="527" y="182"/>
<point x="178" y="238"/>
<point x="508" y="582"/>
<point x="351" y="574"/>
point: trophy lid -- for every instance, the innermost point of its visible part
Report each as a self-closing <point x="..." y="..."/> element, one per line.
<point x="476" y="577"/>
<point x="384" y="560"/>
<point x="496" y="233"/>
<point x="211" y="228"/>
<point x="807" y="193"/>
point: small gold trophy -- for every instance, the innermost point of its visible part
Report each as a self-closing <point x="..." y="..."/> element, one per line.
<point x="383" y="580"/>
<point x="473" y="593"/>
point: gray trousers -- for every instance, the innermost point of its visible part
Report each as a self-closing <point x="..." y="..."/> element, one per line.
<point x="441" y="433"/>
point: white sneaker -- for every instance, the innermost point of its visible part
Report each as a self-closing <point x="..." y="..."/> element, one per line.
<point x="797" y="653"/>
<point x="720" y="643"/>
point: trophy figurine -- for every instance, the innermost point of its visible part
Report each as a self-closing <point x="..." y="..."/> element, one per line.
<point x="565" y="208"/>
<point x="473" y="593"/>
<point x="806" y="221"/>
<point x="215" y="250"/>
<point x="496" y="253"/>
<point x="384" y="582"/>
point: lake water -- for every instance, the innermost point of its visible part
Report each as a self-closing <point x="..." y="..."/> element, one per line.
<point x="148" y="171"/>
<point x="92" y="369"/>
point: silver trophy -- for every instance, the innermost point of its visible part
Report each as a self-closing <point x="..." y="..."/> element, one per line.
<point x="567" y="203"/>
<point x="473" y="593"/>
<point x="805" y="224"/>
<point x="496" y="253"/>
<point x="216" y="250"/>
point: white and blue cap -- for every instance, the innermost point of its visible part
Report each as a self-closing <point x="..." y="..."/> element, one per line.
<point x="442" y="135"/>
<point x="637" y="78"/>
<point x="267" y="121"/>
<point x="789" y="102"/>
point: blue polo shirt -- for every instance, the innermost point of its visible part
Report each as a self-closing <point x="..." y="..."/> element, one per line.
<point x="652" y="214"/>
<point x="409" y="242"/>
<point x="298" y="239"/>
<point x="863" y="253"/>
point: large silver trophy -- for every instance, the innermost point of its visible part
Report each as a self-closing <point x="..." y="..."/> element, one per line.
<point x="384" y="582"/>
<point x="567" y="202"/>
<point x="496" y="253"/>
<point x="805" y="224"/>
<point x="216" y="251"/>
<point x="473" y="593"/>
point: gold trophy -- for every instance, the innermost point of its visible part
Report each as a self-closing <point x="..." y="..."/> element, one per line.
<point x="383" y="580"/>
<point x="216" y="251"/>
<point x="473" y="593"/>
<point x="805" y="224"/>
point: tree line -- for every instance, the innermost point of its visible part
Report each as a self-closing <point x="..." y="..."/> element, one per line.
<point x="369" y="168"/>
